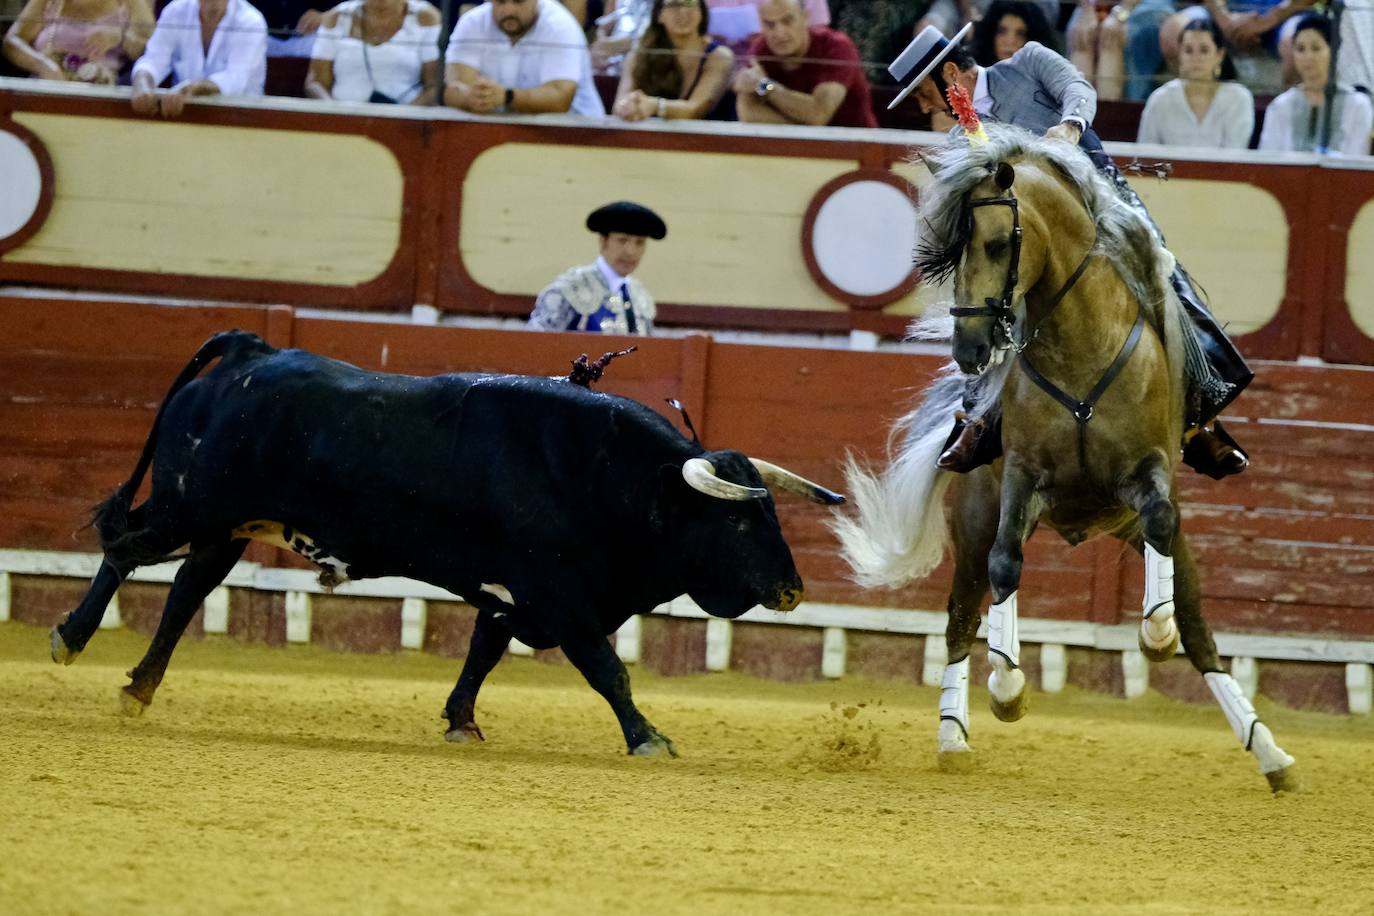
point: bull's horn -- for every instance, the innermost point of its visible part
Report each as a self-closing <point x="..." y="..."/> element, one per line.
<point x="700" y="475"/>
<point x="784" y="479"/>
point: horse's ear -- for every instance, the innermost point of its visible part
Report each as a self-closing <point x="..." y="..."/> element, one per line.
<point x="1005" y="176"/>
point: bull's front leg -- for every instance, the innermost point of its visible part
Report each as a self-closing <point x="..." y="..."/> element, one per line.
<point x="596" y="659"/>
<point x="488" y="644"/>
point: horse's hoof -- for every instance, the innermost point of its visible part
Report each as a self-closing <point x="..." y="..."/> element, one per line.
<point x="656" y="746"/>
<point x="61" y="653"/>
<point x="130" y="705"/>
<point x="956" y="760"/>
<point x="464" y="733"/>
<point x="1286" y="780"/>
<point x="1007" y="694"/>
<point x="1011" y="711"/>
<point x="1161" y="653"/>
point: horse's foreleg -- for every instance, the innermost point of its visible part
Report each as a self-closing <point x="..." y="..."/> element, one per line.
<point x="1021" y="507"/>
<point x="974" y="526"/>
<point x="1276" y="765"/>
<point x="1147" y="491"/>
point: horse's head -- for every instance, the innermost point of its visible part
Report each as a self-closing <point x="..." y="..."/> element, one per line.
<point x="985" y="285"/>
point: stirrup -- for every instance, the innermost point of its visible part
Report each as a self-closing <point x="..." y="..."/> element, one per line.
<point x="1215" y="453"/>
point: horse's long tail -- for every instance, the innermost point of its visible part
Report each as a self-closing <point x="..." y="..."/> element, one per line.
<point x="110" y="518"/>
<point x="898" y="531"/>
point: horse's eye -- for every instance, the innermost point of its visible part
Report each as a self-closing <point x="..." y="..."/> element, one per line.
<point x="995" y="248"/>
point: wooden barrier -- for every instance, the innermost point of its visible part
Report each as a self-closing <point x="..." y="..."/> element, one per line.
<point x="1287" y="548"/>
<point x="382" y="208"/>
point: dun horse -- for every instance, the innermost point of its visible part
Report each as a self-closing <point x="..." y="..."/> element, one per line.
<point x="1064" y="315"/>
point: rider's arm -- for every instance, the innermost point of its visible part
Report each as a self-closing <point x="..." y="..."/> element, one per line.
<point x="1061" y="80"/>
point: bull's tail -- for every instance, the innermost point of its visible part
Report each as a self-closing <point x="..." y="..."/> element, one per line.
<point x="125" y="548"/>
<point x="897" y="532"/>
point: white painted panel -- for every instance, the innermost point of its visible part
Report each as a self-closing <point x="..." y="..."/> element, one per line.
<point x="516" y="647"/>
<point x="414" y="616"/>
<point x="863" y="237"/>
<point x="1136" y="669"/>
<point x="298" y="612"/>
<point x="1359" y="686"/>
<point x="719" y="639"/>
<point x="4" y="596"/>
<point x="216" y="618"/>
<point x="627" y="640"/>
<point x="934" y="661"/>
<point x="834" y="651"/>
<point x="1054" y="667"/>
<point x="111" y="620"/>
<point x="1246" y="673"/>
<point x="23" y="184"/>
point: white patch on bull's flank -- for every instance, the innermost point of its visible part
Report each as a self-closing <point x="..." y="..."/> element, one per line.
<point x="246" y="380"/>
<point x="500" y="591"/>
<point x="274" y="533"/>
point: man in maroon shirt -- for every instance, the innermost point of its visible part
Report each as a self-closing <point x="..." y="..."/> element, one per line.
<point x="802" y="75"/>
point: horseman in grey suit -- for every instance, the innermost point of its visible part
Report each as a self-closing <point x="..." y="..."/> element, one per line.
<point x="1040" y="91"/>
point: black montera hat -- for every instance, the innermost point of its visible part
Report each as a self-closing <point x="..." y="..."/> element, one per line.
<point x="627" y="217"/>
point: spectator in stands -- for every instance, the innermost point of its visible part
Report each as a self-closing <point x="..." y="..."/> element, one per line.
<point x="377" y="51"/>
<point x="801" y="74"/>
<point x="87" y="41"/>
<point x="677" y="70"/>
<point x="737" y="22"/>
<point x="617" y="30"/>
<point x="880" y="29"/>
<point x="291" y="25"/>
<point x="525" y="56"/>
<point x="1355" y="62"/>
<point x="1204" y="106"/>
<point x="949" y="16"/>
<point x="235" y="64"/>
<point x="1006" y="27"/>
<point x="1097" y="44"/>
<point x="1295" y="120"/>
<point x="1259" y="32"/>
<point x="604" y="296"/>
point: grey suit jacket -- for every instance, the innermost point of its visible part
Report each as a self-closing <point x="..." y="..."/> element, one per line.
<point x="1037" y="88"/>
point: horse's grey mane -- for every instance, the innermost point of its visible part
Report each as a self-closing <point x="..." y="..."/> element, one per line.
<point x="1125" y="238"/>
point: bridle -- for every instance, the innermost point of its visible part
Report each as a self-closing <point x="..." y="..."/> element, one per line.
<point x="1001" y="309"/>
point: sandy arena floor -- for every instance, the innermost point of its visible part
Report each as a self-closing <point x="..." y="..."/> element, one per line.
<point x="297" y="781"/>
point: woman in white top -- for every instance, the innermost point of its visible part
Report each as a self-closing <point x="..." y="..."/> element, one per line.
<point x="1204" y="106"/>
<point x="1293" y="121"/>
<point x="377" y="51"/>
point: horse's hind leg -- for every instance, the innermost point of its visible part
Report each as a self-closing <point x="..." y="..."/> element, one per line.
<point x="1276" y="765"/>
<point x="1147" y="491"/>
<point x="1021" y="506"/>
<point x="204" y="569"/>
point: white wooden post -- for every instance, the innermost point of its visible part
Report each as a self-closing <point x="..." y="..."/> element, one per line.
<point x="1136" y="669"/>
<point x="216" y="618"/>
<point x="4" y="596"/>
<point x="718" y="639"/>
<point x="298" y="613"/>
<point x="934" y="661"/>
<point x="863" y="340"/>
<point x="414" y="616"/>
<point x="1246" y="673"/>
<point x="1359" y="687"/>
<point x="111" y="620"/>
<point x="627" y="640"/>
<point x="516" y="647"/>
<point x="1054" y="667"/>
<point x="834" y="652"/>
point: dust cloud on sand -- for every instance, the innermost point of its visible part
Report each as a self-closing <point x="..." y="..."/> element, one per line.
<point x="298" y="781"/>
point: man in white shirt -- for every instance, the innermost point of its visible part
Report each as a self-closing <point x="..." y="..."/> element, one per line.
<point x="525" y="56"/>
<point x="603" y="297"/>
<point x="211" y="47"/>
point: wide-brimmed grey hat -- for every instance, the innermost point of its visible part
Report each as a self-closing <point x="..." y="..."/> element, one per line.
<point x="923" y="55"/>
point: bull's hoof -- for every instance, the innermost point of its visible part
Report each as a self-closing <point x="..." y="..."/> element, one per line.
<point x="1161" y="653"/>
<point x="656" y="746"/>
<point x="464" y="734"/>
<point x="956" y="760"/>
<point x="1286" y="780"/>
<point x="61" y="653"/>
<point x="130" y="705"/>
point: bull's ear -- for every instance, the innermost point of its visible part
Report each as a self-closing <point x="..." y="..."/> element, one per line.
<point x="1005" y="176"/>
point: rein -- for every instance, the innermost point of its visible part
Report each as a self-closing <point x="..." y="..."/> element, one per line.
<point x="1001" y="309"/>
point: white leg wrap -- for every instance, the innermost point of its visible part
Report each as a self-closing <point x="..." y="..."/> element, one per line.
<point x="1002" y="635"/>
<point x="1158" y="627"/>
<point x="1253" y="733"/>
<point x="954" y="702"/>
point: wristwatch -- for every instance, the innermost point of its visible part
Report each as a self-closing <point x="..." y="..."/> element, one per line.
<point x="510" y="98"/>
<point x="765" y="88"/>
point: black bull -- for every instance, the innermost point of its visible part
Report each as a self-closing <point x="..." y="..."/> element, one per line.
<point x="557" y="511"/>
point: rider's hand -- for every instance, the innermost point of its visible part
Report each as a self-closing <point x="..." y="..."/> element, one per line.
<point x="1068" y="131"/>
